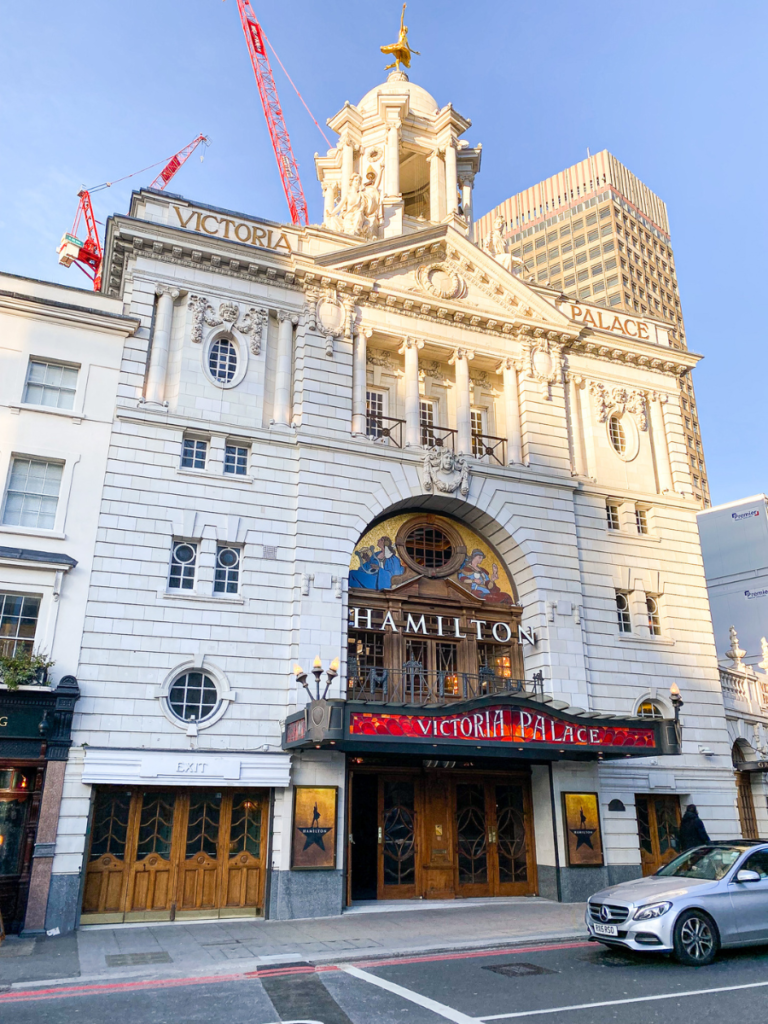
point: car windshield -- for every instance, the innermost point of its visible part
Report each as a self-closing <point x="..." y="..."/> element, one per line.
<point x="710" y="862"/>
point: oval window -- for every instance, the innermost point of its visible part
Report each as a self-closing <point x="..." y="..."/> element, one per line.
<point x="222" y="360"/>
<point x="429" y="547"/>
<point x="193" y="697"/>
<point x="618" y="435"/>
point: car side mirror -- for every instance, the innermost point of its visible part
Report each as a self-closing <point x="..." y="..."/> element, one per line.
<point x="745" y="875"/>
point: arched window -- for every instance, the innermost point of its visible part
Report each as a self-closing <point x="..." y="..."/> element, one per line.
<point x="429" y="547"/>
<point x="649" y="709"/>
<point x="654" y="621"/>
<point x="618" y="435"/>
<point x="222" y="360"/>
<point x="194" y="696"/>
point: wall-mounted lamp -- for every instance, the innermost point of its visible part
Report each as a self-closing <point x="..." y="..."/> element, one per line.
<point x="677" y="701"/>
<point x="317" y="670"/>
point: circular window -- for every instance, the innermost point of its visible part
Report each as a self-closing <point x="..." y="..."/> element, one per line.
<point x="649" y="710"/>
<point x="184" y="553"/>
<point x="618" y="435"/>
<point x="222" y="360"/>
<point x="193" y="697"/>
<point x="429" y="547"/>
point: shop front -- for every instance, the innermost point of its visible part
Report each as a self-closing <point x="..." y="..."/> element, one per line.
<point x="35" y="726"/>
<point x="186" y="835"/>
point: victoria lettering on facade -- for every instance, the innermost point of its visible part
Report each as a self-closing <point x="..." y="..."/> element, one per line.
<point x="243" y="231"/>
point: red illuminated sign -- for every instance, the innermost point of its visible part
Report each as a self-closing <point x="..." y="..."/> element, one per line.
<point x="518" y="725"/>
<point x="296" y="731"/>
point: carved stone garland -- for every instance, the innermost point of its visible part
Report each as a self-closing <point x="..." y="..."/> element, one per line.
<point x="251" y="326"/>
<point x="619" y="400"/>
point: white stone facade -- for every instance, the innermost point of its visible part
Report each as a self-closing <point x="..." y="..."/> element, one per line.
<point x="317" y="318"/>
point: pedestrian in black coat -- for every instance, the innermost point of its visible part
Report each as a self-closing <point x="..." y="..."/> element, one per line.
<point x="692" y="832"/>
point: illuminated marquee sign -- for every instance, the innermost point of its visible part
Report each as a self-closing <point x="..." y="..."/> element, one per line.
<point x="519" y="726"/>
<point x="245" y="231"/>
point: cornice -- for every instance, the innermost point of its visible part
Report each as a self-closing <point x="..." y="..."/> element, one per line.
<point x="73" y="316"/>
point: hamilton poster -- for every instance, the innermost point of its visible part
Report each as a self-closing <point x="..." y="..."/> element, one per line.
<point x="584" y="841"/>
<point x="314" y="828"/>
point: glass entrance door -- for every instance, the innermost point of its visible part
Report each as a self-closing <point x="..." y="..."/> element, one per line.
<point x="658" y="819"/>
<point x="493" y="848"/>
<point x="397" y="839"/>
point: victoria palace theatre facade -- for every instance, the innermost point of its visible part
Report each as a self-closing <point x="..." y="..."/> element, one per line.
<point x="396" y="567"/>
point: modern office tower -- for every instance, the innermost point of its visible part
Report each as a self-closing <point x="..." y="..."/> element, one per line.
<point x="599" y="234"/>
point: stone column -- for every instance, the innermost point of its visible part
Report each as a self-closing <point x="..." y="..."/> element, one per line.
<point x="282" y="408"/>
<point x="451" y="181"/>
<point x="573" y="384"/>
<point x="347" y="163"/>
<point x="467" y="181"/>
<point x="410" y="352"/>
<point x="161" y="342"/>
<point x="660" y="444"/>
<point x="509" y="370"/>
<point x="460" y="360"/>
<point x="392" y="160"/>
<point x="435" y="166"/>
<point x="359" y="379"/>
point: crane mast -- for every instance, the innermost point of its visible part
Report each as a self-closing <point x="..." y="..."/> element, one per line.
<point x="281" y="142"/>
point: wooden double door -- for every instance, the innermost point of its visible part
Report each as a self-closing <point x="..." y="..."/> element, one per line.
<point x="658" y="821"/>
<point x="438" y="834"/>
<point x="158" y="854"/>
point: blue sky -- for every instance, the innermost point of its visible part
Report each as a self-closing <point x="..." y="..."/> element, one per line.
<point x="93" y="90"/>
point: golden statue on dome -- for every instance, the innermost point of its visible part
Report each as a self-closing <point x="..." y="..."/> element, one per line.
<point x="400" y="50"/>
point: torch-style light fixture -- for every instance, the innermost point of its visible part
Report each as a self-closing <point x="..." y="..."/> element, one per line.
<point x="677" y="701"/>
<point x="317" y="670"/>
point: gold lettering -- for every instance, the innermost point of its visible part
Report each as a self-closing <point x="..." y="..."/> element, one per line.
<point x="640" y="328"/>
<point x="183" y="222"/>
<point x="226" y="226"/>
<point x="627" y="322"/>
<point x="209" y="216"/>
<point x="197" y="225"/>
<point x="576" y="312"/>
<point x="589" y="319"/>
<point x="247" y="230"/>
<point x="616" y="325"/>
<point x="3" y="721"/>
<point x="600" y="319"/>
<point x="259" y="236"/>
<point x="283" y="241"/>
<point x="269" y="240"/>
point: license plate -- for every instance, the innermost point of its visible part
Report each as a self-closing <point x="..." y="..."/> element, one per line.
<point x="605" y="929"/>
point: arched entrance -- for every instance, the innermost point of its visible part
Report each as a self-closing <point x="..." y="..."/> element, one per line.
<point x="434" y="619"/>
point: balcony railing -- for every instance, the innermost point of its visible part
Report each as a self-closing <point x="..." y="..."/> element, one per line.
<point x="745" y="688"/>
<point x="386" y="429"/>
<point x="413" y="684"/>
<point x="438" y="437"/>
<point x="490" y="447"/>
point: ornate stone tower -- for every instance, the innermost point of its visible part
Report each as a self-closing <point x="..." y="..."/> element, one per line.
<point x="400" y="164"/>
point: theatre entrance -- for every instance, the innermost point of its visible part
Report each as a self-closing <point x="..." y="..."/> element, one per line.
<point x="439" y="832"/>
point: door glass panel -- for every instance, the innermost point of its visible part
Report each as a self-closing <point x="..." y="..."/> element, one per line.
<point x="644" y="825"/>
<point x="471" y="833"/>
<point x="110" y="824"/>
<point x="203" y="823"/>
<point x="510" y="828"/>
<point x="399" y="833"/>
<point x="666" y="826"/>
<point x="13" y="816"/>
<point x="156" y="825"/>
<point x="245" y="833"/>
<point x="447" y="659"/>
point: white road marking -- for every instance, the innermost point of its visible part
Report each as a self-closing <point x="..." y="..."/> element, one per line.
<point x="621" y="1002"/>
<point x="429" y="1004"/>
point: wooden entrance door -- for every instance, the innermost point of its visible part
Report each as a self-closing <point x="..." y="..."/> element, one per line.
<point x="160" y="854"/>
<point x="658" y="821"/>
<point x="746" y="804"/>
<point x="399" y="806"/>
<point x="494" y="849"/>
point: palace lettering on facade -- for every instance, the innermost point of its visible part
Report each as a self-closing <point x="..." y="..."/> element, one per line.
<point x="371" y="441"/>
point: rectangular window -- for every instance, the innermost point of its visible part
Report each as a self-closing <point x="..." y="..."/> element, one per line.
<point x="598" y="286"/>
<point x="641" y="519"/>
<point x="33" y="493"/>
<point x="553" y="253"/>
<point x="584" y="293"/>
<point x="478" y="429"/>
<point x="556" y="284"/>
<point x="554" y="269"/>
<point x="597" y="269"/>
<point x="374" y="411"/>
<point x="541" y="258"/>
<point x="226" y="579"/>
<point x="605" y="230"/>
<point x="654" y="619"/>
<point x="543" y="274"/>
<point x="427" y="421"/>
<point x="569" y="282"/>
<point x="611" y="263"/>
<point x="564" y="232"/>
<point x="18" y="622"/>
<point x="183" y="565"/>
<point x="612" y="513"/>
<point x="622" y="612"/>
<point x="528" y="247"/>
<point x="581" y="258"/>
<point x="50" y="384"/>
<point x="193" y="453"/>
<point x="567" y="264"/>
<point x="583" y="275"/>
<point x="236" y="460"/>
<point x="566" y="247"/>
<point x="592" y="219"/>
<point x="608" y="247"/>
<point x="578" y="224"/>
<point x="605" y="212"/>
<point x="579" y="241"/>
<point x="612" y="281"/>
<point x="614" y="300"/>
<point x="592" y="236"/>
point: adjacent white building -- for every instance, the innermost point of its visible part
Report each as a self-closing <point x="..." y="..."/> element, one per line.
<point x="61" y="356"/>
<point x="369" y="441"/>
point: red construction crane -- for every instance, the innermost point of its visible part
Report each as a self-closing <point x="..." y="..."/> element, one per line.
<point x="281" y="142"/>
<point x="88" y="255"/>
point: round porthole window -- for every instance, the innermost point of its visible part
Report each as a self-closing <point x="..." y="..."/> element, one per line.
<point x="429" y="547"/>
<point x="194" y="696"/>
<point x="222" y="360"/>
<point x="617" y="435"/>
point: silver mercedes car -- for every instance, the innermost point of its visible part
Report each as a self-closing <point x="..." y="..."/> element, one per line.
<point x="707" y="898"/>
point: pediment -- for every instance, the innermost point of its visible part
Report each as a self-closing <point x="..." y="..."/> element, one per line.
<point x="441" y="265"/>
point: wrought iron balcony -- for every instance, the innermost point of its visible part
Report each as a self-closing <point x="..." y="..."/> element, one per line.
<point x="490" y="447"/>
<point x="433" y="436"/>
<point x="386" y="429"/>
<point x="413" y="684"/>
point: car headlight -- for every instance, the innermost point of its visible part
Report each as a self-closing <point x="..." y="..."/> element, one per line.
<point x="650" y="911"/>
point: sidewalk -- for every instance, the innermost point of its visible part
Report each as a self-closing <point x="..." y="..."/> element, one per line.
<point x="200" y="947"/>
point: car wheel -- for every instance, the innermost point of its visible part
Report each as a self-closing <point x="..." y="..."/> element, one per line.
<point x="696" y="939"/>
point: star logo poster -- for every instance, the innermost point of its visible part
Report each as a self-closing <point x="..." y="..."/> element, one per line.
<point x="584" y="841"/>
<point x="313" y="844"/>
